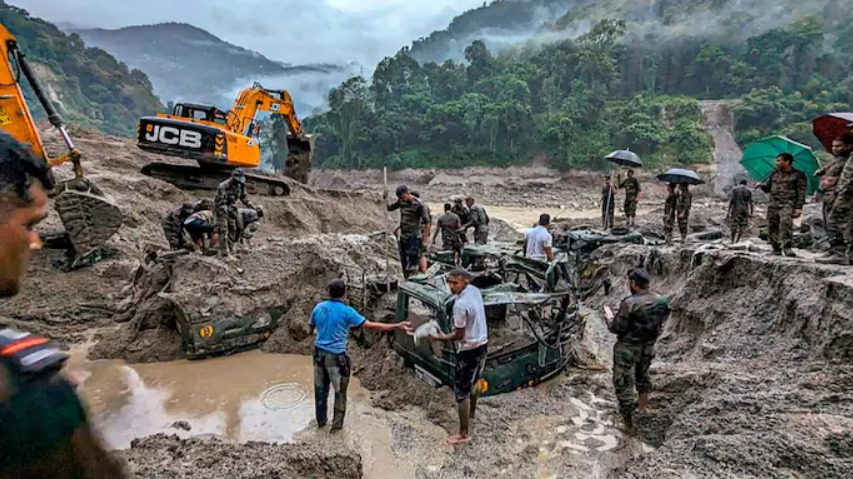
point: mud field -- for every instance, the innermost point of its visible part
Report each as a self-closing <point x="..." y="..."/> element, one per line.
<point x="753" y="376"/>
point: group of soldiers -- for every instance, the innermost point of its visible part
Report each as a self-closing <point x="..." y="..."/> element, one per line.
<point x="414" y="237"/>
<point x="204" y="224"/>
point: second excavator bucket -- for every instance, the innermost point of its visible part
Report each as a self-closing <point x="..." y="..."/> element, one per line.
<point x="90" y="219"/>
<point x="300" y="154"/>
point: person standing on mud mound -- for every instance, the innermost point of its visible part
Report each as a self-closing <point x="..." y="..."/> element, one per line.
<point x="683" y="203"/>
<point x="637" y="326"/>
<point x="787" y="188"/>
<point x="227" y="217"/>
<point x="422" y="259"/>
<point x="608" y="203"/>
<point x="830" y="179"/>
<point x="44" y="428"/>
<point x="173" y="226"/>
<point x="632" y="197"/>
<point x="414" y="228"/>
<point x="332" y="320"/>
<point x="669" y="212"/>
<point x="464" y="215"/>
<point x="472" y="336"/>
<point x="449" y="224"/>
<point x="740" y="211"/>
<point x="479" y="220"/>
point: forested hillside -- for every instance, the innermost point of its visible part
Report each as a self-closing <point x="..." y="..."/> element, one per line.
<point x="88" y="85"/>
<point x="616" y="85"/>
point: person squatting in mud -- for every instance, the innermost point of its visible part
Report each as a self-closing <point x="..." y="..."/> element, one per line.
<point x="332" y="320"/>
<point x="741" y="209"/>
<point x="472" y="336"/>
<point x="228" y="219"/>
<point x="449" y="225"/>
<point x="637" y="326"/>
<point x="478" y="220"/>
<point x="669" y="212"/>
<point x="837" y="214"/>
<point x="787" y="188"/>
<point x="44" y="428"/>
<point x="200" y="227"/>
<point x="608" y="203"/>
<point x="414" y="228"/>
<point x="632" y="197"/>
<point x="683" y="204"/>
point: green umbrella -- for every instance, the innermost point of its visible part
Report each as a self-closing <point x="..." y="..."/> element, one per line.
<point x="759" y="159"/>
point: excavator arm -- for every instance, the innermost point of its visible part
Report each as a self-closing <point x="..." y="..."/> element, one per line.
<point x="257" y="99"/>
<point x="89" y="218"/>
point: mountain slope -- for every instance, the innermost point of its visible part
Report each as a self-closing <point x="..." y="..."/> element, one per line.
<point x="188" y="63"/>
<point x="88" y="85"/>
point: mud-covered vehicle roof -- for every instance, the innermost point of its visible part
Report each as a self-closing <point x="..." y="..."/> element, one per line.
<point x="532" y="322"/>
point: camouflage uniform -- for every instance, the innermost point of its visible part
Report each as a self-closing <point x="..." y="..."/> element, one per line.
<point x="739" y="211"/>
<point x="464" y="215"/>
<point x="669" y="215"/>
<point x="449" y="224"/>
<point x="830" y="177"/>
<point x="227" y="217"/>
<point x="638" y="325"/>
<point x="608" y="206"/>
<point x="480" y="221"/>
<point x="173" y="226"/>
<point x="683" y="203"/>
<point x="787" y="193"/>
<point x="413" y="217"/>
<point x="632" y="191"/>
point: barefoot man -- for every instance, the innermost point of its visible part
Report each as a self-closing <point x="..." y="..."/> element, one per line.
<point x="471" y="336"/>
<point x="638" y="325"/>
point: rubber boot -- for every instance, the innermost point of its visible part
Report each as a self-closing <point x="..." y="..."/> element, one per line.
<point x="787" y="251"/>
<point x="777" y="250"/>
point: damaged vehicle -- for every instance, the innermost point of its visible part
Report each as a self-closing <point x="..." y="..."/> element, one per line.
<point x="532" y="322"/>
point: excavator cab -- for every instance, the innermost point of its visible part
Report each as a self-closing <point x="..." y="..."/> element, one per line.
<point x="194" y="111"/>
<point x="90" y="219"/>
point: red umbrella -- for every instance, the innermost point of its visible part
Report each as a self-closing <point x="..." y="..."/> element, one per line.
<point x="831" y="126"/>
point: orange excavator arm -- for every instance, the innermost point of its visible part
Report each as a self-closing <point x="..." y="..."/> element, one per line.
<point x="15" y="116"/>
<point x="255" y="99"/>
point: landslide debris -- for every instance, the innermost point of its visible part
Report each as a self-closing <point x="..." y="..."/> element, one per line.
<point x="208" y="457"/>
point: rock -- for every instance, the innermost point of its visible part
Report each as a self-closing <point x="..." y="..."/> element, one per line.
<point x="183" y="425"/>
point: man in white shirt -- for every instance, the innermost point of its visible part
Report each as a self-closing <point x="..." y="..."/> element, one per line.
<point x="538" y="243"/>
<point x="471" y="336"/>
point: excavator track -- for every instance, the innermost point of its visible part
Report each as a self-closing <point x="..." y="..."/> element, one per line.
<point x="90" y="219"/>
<point x="187" y="177"/>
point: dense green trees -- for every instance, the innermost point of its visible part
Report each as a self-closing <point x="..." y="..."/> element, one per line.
<point x="575" y="100"/>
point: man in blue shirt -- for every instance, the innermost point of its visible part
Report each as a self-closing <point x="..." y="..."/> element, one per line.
<point x="332" y="320"/>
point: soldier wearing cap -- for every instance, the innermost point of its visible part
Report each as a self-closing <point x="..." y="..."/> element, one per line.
<point x="638" y="324"/>
<point x="227" y="217"/>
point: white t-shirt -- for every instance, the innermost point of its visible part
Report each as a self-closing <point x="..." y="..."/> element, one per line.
<point x="469" y="313"/>
<point x="537" y="240"/>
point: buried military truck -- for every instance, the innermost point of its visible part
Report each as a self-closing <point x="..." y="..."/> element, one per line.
<point x="530" y="332"/>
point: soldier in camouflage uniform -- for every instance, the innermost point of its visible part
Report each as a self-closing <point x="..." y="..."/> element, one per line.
<point x="227" y="216"/>
<point x="414" y="228"/>
<point x="638" y="324"/>
<point x="741" y="209"/>
<point x="632" y="197"/>
<point x="682" y="210"/>
<point x="830" y="177"/>
<point x="669" y="212"/>
<point x="787" y="188"/>
<point x="449" y="225"/>
<point x="464" y="214"/>
<point x="479" y="220"/>
<point x="608" y="203"/>
<point x="173" y="226"/>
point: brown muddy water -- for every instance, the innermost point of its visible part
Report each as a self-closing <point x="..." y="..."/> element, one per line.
<point x="250" y="396"/>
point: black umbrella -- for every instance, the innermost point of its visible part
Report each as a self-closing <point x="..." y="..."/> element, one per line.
<point x="624" y="158"/>
<point x="678" y="176"/>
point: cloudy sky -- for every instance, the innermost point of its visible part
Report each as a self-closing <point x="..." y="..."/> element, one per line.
<point x="294" y="31"/>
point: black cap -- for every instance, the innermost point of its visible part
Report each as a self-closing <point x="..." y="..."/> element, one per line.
<point x="401" y="190"/>
<point x="639" y="276"/>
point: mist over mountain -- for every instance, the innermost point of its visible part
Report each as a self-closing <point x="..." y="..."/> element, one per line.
<point x="186" y="63"/>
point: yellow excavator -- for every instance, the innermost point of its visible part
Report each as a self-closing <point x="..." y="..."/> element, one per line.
<point x="90" y="219"/>
<point x="221" y="141"/>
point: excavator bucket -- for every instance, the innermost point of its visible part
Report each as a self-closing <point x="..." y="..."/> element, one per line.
<point x="90" y="219"/>
<point x="300" y="154"/>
